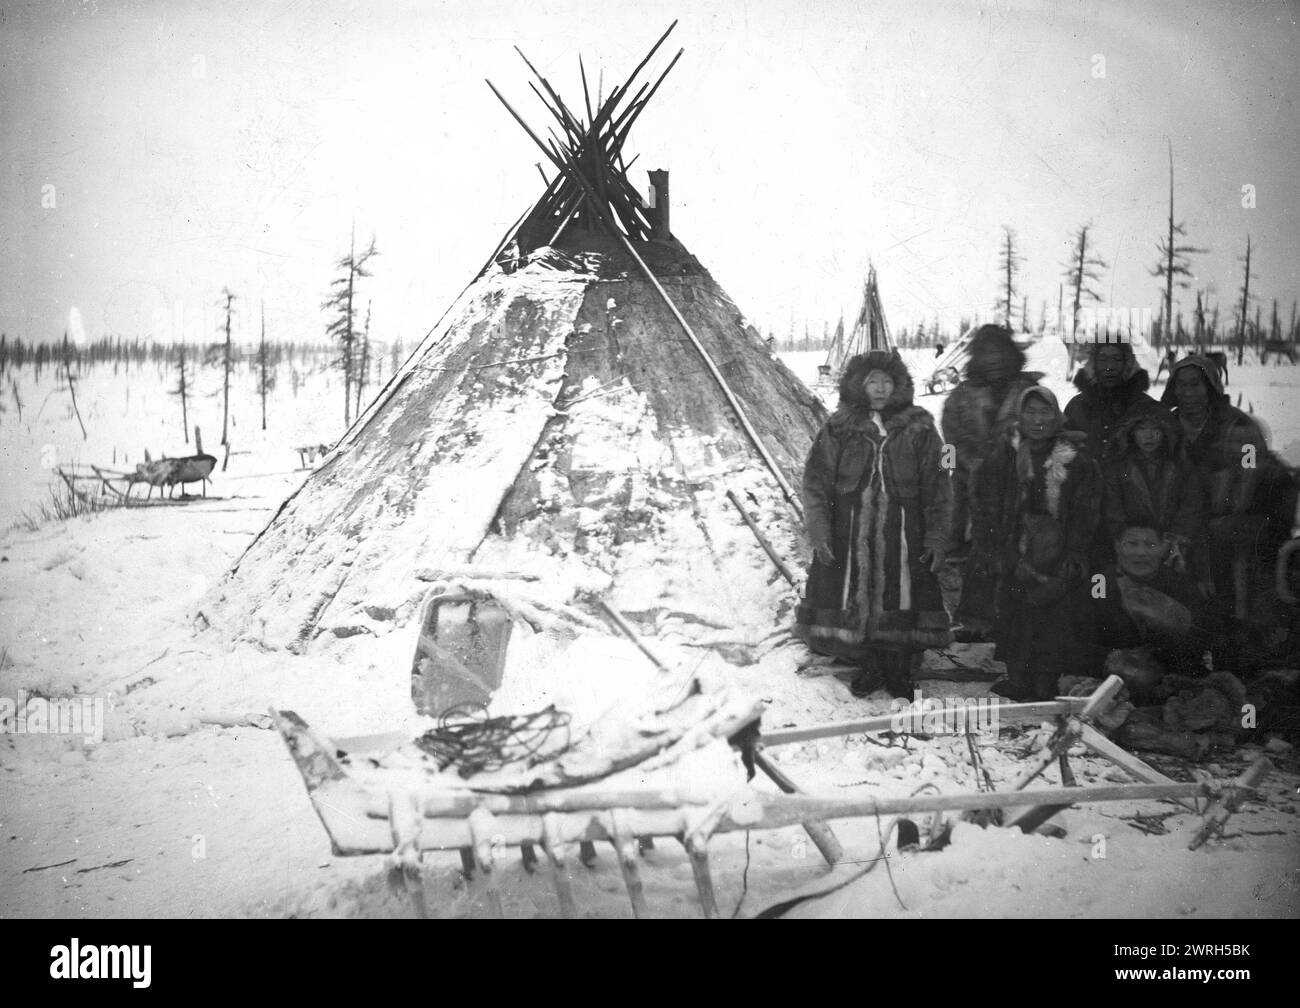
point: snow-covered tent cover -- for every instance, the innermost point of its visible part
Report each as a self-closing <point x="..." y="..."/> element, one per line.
<point x="564" y="420"/>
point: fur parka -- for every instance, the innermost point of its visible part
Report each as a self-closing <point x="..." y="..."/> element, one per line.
<point x="1164" y="493"/>
<point x="876" y="493"/>
<point x="1097" y="412"/>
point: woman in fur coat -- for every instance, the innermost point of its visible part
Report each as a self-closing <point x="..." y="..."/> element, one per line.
<point x="1035" y="505"/>
<point x="877" y="505"/>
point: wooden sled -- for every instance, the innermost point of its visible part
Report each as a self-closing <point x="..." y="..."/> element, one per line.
<point x="373" y="797"/>
<point x="308" y="454"/>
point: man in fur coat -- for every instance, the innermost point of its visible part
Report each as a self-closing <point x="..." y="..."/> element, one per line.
<point x="1249" y="496"/>
<point x="877" y="506"/>
<point x="978" y="416"/>
<point x="1035" y="506"/>
<point x="1112" y="387"/>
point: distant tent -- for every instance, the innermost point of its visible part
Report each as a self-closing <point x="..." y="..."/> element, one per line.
<point x="870" y="331"/>
<point x="577" y="419"/>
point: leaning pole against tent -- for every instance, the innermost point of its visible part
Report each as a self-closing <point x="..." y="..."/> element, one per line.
<point x="580" y="413"/>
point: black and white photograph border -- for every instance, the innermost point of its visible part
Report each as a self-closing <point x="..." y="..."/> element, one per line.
<point x="895" y="516"/>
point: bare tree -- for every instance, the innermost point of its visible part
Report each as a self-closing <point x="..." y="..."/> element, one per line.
<point x="1082" y="273"/>
<point x="265" y="372"/>
<point x="71" y="381"/>
<point x="1009" y="263"/>
<point x="223" y="354"/>
<point x="343" y="329"/>
<point x="182" y="391"/>
<point x="1243" y="315"/>
<point x="364" y="369"/>
<point x="1174" y="264"/>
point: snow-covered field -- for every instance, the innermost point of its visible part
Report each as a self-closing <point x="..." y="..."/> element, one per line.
<point x="174" y="814"/>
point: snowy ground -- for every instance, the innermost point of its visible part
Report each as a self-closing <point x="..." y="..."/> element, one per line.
<point x="173" y="815"/>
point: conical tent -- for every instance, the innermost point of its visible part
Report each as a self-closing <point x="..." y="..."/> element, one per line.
<point x="579" y="414"/>
<point x="870" y="330"/>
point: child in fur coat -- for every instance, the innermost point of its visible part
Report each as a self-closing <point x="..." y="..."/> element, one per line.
<point x="1150" y="482"/>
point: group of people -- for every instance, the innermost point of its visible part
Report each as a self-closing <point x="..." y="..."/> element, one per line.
<point x="1119" y="534"/>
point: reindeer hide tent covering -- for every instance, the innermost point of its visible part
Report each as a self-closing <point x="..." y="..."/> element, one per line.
<point x="560" y="422"/>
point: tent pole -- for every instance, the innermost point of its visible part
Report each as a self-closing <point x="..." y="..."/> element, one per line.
<point x="564" y="162"/>
<point x="791" y="497"/>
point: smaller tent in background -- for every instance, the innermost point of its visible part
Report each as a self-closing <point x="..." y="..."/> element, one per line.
<point x="870" y="332"/>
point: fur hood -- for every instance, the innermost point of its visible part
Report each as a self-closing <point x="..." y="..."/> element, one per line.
<point x="1066" y="446"/>
<point x="1120" y="443"/>
<point x="1209" y="370"/>
<point x="1135" y="379"/>
<point x="993" y="339"/>
<point x="911" y="418"/>
<point x="852" y="396"/>
<point x="1049" y="397"/>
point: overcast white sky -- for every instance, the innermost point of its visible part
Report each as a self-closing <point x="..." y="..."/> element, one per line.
<point x="194" y="145"/>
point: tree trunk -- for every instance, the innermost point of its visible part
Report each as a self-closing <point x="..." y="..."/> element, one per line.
<point x="347" y="339"/>
<point x="1169" y="252"/>
<point x="225" y="379"/>
<point x="262" y="361"/>
<point x="365" y="359"/>
<point x="183" y="389"/>
<point x="1078" y="281"/>
<point x="1245" y="299"/>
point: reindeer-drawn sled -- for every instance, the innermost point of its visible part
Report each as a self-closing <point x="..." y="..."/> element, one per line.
<point x="163" y="473"/>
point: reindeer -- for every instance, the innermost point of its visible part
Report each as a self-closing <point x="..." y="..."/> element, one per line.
<point x="1279" y="349"/>
<point x="157" y="474"/>
<point x="195" y="468"/>
<point x="167" y="472"/>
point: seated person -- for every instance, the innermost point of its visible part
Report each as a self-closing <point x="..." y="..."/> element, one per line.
<point x="1143" y="625"/>
<point x="1143" y="615"/>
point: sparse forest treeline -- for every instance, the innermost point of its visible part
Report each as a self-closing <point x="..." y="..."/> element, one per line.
<point x="1079" y="300"/>
<point x="119" y="353"/>
<point x="1205" y="325"/>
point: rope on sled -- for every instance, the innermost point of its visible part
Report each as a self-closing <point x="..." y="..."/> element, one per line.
<point x="474" y="743"/>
